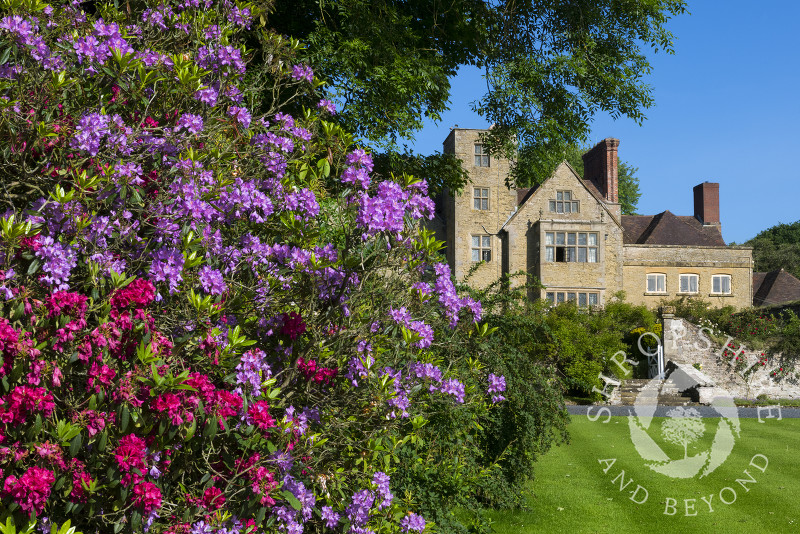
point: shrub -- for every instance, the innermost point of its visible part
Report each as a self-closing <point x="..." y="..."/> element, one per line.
<point x="211" y="318"/>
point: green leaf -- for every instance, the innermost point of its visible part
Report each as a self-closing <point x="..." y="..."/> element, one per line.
<point x="124" y="418"/>
<point x="103" y="441"/>
<point x="75" y="445"/>
<point x="291" y="499"/>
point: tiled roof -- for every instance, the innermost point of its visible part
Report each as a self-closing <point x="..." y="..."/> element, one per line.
<point x="666" y="228"/>
<point x="775" y="287"/>
<point x="524" y="193"/>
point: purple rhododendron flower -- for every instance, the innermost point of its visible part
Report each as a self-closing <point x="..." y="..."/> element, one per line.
<point x="242" y="115"/>
<point x="497" y="384"/>
<point x="303" y="72"/>
<point x="211" y="280"/>
<point x="328" y="106"/>
<point x="412" y="522"/>
<point x="167" y="266"/>
<point x="451" y="386"/>
<point x="192" y="123"/>
<point x="59" y="260"/>
<point x="330" y="517"/>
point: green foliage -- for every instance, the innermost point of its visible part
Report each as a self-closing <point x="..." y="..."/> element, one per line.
<point x="550" y="66"/>
<point x="439" y="170"/>
<point x="777" y="247"/>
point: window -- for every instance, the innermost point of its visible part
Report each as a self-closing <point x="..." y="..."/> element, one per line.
<point x="480" y="198"/>
<point x="481" y="156"/>
<point x="579" y="247"/>
<point x="582" y="299"/>
<point x="481" y="248"/>
<point x="564" y="203"/>
<point x="721" y="284"/>
<point x="656" y="283"/>
<point x="688" y="283"/>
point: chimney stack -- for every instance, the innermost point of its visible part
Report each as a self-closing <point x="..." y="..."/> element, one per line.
<point x="706" y="202"/>
<point x="600" y="167"/>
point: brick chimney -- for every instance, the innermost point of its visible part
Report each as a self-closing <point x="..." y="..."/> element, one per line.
<point x="706" y="202"/>
<point x="600" y="167"/>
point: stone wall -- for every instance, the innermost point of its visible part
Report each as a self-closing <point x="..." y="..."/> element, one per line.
<point x="674" y="260"/>
<point x="464" y="221"/>
<point x="685" y="343"/>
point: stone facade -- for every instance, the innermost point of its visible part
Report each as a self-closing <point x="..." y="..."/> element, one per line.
<point x="570" y="234"/>
<point x="674" y="260"/>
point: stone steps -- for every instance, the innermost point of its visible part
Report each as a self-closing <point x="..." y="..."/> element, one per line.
<point x="660" y="392"/>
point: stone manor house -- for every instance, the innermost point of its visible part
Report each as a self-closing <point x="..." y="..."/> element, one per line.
<point x="569" y="232"/>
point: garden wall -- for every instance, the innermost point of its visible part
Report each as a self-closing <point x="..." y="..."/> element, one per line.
<point x="753" y="374"/>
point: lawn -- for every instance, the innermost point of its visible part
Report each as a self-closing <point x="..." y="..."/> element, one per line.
<point x="572" y="494"/>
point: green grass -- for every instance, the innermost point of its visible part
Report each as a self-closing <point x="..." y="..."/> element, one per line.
<point x="571" y="494"/>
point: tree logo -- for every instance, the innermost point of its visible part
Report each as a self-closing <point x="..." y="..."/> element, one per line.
<point x="684" y="428"/>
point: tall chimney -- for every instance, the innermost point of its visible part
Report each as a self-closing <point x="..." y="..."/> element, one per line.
<point x="706" y="202"/>
<point x="600" y="167"/>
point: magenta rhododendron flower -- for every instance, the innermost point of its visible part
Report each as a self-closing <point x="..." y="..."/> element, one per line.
<point x="147" y="496"/>
<point x="31" y="490"/>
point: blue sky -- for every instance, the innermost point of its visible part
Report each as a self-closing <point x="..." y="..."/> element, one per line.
<point x="727" y="110"/>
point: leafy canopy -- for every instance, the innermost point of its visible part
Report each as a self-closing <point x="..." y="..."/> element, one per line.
<point x="550" y="66"/>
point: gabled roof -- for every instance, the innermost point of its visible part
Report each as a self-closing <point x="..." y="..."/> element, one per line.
<point x="524" y="194"/>
<point x="666" y="228"/>
<point x="775" y="287"/>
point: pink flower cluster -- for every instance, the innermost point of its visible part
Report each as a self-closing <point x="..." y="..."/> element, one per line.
<point x="31" y="490"/>
<point x="320" y="375"/>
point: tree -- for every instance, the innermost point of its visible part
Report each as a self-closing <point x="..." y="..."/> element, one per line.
<point x="550" y="65"/>
<point x="683" y="426"/>
<point x="777" y="247"/>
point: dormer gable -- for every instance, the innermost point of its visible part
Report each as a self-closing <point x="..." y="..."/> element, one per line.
<point x="550" y="197"/>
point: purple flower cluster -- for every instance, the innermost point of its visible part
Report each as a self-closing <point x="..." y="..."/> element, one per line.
<point x="58" y="262"/>
<point x="448" y="298"/>
<point x="423" y="331"/>
<point x="211" y="280"/>
<point x="167" y="266"/>
<point x="251" y="371"/>
<point x="93" y="128"/>
<point x="497" y="384"/>
<point x="328" y="106"/>
<point x="242" y="115"/>
<point x="303" y="72"/>
<point x="223" y="59"/>
<point x="192" y="123"/>
<point x="453" y="387"/>
<point x="381" y="482"/>
<point x="358" y="169"/>
<point x="358" y="511"/>
<point x="330" y="517"/>
<point x="383" y="212"/>
<point x="412" y="522"/>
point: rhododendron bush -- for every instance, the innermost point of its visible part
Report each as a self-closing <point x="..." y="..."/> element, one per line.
<point x="212" y="317"/>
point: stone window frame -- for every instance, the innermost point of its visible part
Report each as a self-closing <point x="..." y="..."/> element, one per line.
<point x="480" y="198"/>
<point x="656" y="291"/>
<point x="583" y="298"/>
<point x="483" y="247"/>
<point x="688" y="291"/>
<point x="727" y="277"/>
<point x="482" y="158"/>
<point x="571" y="250"/>
<point x="564" y="200"/>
